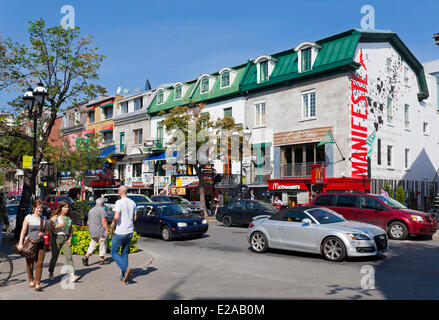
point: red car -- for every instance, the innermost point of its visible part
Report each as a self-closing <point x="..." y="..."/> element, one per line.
<point x="382" y="211"/>
<point x="53" y="201"/>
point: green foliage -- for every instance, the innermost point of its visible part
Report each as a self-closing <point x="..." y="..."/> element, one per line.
<point x="81" y="240"/>
<point x="226" y="198"/>
<point x="389" y="190"/>
<point x="82" y="207"/>
<point x="400" y="195"/>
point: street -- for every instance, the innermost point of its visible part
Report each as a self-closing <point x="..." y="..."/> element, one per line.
<point x="220" y="265"/>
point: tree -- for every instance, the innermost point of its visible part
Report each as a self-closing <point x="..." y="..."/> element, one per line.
<point x="78" y="159"/>
<point x="400" y="195"/>
<point x="388" y="189"/>
<point x="66" y="64"/>
<point x="194" y="137"/>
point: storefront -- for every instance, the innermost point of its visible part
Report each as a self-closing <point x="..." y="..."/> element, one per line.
<point x="300" y="191"/>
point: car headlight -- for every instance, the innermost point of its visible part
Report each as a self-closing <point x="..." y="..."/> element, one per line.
<point x="204" y="221"/>
<point x="417" y="218"/>
<point x="358" y="236"/>
<point x="182" y="224"/>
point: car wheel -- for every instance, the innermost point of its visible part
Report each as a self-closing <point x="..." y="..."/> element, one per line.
<point x="259" y="242"/>
<point x="227" y="221"/>
<point x="166" y="233"/>
<point x="397" y="231"/>
<point x="333" y="249"/>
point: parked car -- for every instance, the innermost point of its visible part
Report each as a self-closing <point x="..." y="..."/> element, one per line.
<point x="189" y="206"/>
<point x="169" y="220"/>
<point x="140" y="200"/>
<point x="382" y="211"/>
<point x="316" y="230"/>
<point x="53" y="201"/>
<point x="241" y="212"/>
<point x="14" y="198"/>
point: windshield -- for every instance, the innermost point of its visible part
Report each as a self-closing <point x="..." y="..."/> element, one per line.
<point x="266" y="206"/>
<point x="140" y="198"/>
<point x="170" y="209"/>
<point x="391" y="202"/>
<point x="69" y="200"/>
<point x="325" y="216"/>
<point x="180" y="200"/>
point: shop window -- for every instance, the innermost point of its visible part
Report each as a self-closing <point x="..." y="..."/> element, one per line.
<point x="137" y="170"/>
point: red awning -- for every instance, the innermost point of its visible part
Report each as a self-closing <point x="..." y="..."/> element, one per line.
<point x="92" y="108"/>
<point x="106" y="104"/>
<point x="106" y="128"/>
<point x="87" y="132"/>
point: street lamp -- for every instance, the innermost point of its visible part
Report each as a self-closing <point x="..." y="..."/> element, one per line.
<point x="30" y="97"/>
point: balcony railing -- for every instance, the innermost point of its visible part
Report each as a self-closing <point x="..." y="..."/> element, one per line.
<point x="296" y="170"/>
<point x="257" y="176"/>
<point x="228" y="181"/>
<point x="151" y="145"/>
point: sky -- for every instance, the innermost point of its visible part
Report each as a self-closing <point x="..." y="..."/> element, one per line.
<point x="172" y="41"/>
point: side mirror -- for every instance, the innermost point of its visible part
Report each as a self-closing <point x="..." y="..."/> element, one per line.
<point x="306" y="222"/>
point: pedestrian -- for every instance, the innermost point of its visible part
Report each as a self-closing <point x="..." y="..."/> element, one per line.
<point x="277" y="203"/>
<point x="3" y="217"/>
<point x="252" y="194"/>
<point x="98" y="229"/>
<point x="62" y="233"/>
<point x="383" y="192"/>
<point x="219" y="201"/>
<point x="35" y="226"/>
<point x="124" y="217"/>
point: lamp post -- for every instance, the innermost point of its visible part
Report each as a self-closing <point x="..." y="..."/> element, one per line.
<point x="31" y="97"/>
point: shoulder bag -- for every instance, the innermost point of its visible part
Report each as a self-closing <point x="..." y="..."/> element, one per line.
<point x="30" y="246"/>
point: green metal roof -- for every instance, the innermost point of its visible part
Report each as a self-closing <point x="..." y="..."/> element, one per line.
<point x="216" y="91"/>
<point x="334" y="54"/>
<point x="337" y="52"/>
<point x="171" y="102"/>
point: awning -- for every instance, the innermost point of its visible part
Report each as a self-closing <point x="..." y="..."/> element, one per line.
<point x="106" y="128"/>
<point x="160" y="156"/>
<point x="89" y="132"/>
<point x="107" y="151"/>
<point x="92" y="108"/>
<point x="107" y="104"/>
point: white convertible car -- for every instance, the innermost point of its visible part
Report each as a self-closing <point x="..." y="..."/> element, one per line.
<point x="316" y="230"/>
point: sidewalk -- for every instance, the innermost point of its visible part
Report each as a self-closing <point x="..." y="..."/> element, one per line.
<point x="96" y="282"/>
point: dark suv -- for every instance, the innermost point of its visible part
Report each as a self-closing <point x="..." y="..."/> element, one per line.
<point x="382" y="211"/>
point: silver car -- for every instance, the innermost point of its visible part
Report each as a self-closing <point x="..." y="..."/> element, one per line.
<point x="316" y="230"/>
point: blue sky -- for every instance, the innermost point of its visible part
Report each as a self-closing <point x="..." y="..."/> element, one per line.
<point x="170" y="41"/>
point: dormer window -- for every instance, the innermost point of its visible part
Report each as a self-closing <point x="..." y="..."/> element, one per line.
<point x="306" y="54"/>
<point x="177" y="92"/>
<point x="306" y="59"/>
<point x="264" y="67"/>
<point x="225" y="79"/>
<point x="263" y="71"/>
<point x="160" y="97"/>
<point x="204" y="85"/>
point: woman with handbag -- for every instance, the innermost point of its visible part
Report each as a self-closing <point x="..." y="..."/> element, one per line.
<point x="62" y="238"/>
<point x="35" y="226"/>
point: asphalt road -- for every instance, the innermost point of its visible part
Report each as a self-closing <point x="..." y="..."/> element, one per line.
<point x="221" y="265"/>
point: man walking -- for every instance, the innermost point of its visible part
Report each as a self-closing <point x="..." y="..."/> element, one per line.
<point x="98" y="229"/>
<point x="124" y="217"/>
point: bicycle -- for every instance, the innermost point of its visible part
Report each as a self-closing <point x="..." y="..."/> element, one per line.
<point x="6" y="268"/>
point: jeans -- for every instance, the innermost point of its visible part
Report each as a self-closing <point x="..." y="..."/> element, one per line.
<point x="121" y="240"/>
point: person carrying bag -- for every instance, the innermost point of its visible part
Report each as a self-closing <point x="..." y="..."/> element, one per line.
<point x="32" y="247"/>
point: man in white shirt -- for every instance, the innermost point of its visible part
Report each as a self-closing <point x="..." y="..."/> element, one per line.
<point x="124" y="217"/>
